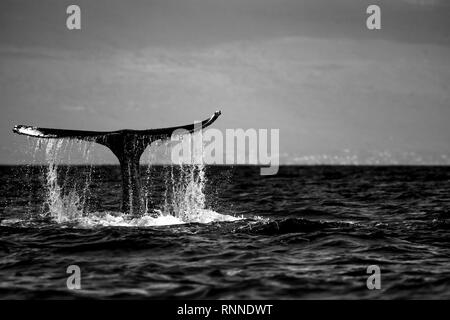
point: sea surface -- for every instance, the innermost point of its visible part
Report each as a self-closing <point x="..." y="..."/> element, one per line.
<point x="309" y="232"/>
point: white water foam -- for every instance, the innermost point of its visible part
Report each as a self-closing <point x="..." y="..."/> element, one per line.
<point x="159" y="218"/>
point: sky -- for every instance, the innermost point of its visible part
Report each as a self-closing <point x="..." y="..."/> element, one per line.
<point x="338" y="92"/>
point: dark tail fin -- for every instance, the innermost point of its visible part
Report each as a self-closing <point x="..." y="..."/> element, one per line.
<point x="127" y="145"/>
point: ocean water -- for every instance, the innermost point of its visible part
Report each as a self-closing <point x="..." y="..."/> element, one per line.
<point x="309" y="232"/>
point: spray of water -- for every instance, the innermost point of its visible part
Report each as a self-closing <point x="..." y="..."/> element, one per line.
<point x="183" y="184"/>
<point x="68" y="206"/>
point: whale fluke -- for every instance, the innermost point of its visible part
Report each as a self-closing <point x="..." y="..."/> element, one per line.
<point x="127" y="145"/>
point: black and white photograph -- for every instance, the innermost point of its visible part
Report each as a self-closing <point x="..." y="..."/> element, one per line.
<point x="249" y="151"/>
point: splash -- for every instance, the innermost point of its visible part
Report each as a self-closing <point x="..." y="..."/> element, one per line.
<point x="62" y="207"/>
<point x="184" y="198"/>
<point x="188" y="197"/>
<point x="184" y="193"/>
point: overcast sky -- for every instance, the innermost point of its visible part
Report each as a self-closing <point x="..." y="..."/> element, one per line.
<point x="338" y="92"/>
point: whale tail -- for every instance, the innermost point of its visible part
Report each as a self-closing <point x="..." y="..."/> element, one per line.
<point x="127" y="146"/>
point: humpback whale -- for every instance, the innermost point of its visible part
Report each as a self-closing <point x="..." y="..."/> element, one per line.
<point x="127" y="145"/>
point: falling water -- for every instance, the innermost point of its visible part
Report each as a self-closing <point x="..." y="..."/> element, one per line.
<point x="185" y="189"/>
<point x="66" y="198"/>
<point x="64" y="202"/>
<point x="184" y="185"/>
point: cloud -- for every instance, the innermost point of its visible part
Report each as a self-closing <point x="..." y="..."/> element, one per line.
<point x="323" y="94"/>
<point x="425" y="2"/>
<point x="74" y="108"/>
